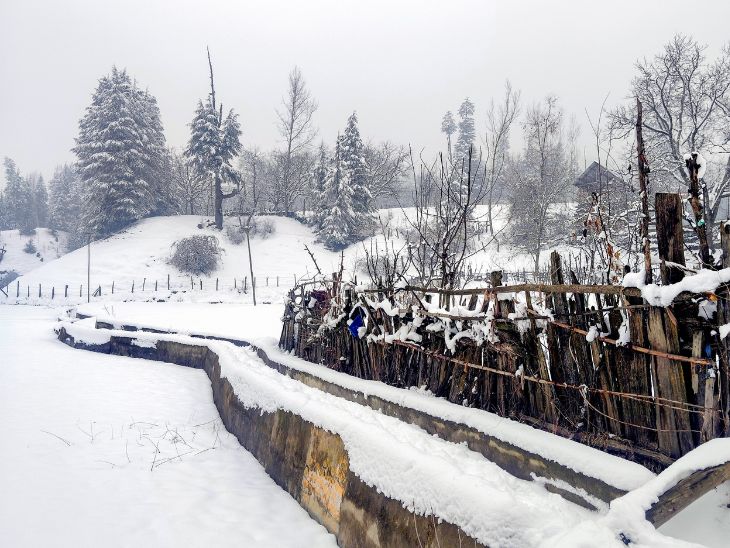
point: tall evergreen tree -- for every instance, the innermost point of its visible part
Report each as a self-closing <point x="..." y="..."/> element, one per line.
<point x="448" y="127"/>
<point x="17" y="199"/>
<point x="466" y="131"/>
<point x="65" y="206"/>
<point x="339" y="222"/>
<point x="318" y="191"/>
<point x="36" y="189"/>
<point x="355" y="170"/>
<point x="3" y="212"/>
<point x="214" y="143"/>
<point x="119" y="147"/>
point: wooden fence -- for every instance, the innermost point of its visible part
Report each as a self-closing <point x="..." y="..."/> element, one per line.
<point x="594" y="363"/>
<point x="566" y="371"/>
<point x="17" y="290"/>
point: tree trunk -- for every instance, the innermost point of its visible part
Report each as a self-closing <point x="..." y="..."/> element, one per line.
<point x="250" y="262"/>
<point x="218" y="204"/>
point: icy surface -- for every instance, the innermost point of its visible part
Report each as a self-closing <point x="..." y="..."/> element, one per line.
<point x="80" y="460"/>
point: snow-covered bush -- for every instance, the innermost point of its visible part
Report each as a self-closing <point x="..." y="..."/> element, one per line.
<point x="262" y="229"/>
<point x="235" y="234"/>
<point x="29" y="247"/>
<point x="196" y="254"/>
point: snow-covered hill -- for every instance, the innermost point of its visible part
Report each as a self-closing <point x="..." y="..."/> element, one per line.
<point x="49" y="246"/>
<point x="139" y="255"/>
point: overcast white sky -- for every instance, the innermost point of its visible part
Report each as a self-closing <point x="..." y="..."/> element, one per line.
<point x="400" y="64"/>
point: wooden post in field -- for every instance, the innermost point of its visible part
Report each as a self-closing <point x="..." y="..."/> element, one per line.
<point x="132" y="286"/>
<point x="53" y="292"/>
<point x="277" y="281"/>
<point x="17" y="290"/>
<point x="216" y="284"/>
<point x="81" y="290"/>
<point x="144" y="281"/>
<point x="192" y="283"/>
<point x="201" y="284"/>
<point x="168" y="282"/>
<point x="112" y="287"/>
<point x="643" y="180"/>
<point x="669" y="235"/>
<point x="65" y="292"/>
<point x="40" y="291"/>
<point x="155" y="285"/>
<point x="88" y="270"/>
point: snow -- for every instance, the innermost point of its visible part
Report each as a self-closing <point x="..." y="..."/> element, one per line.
<point x="265" y="330"/>
<point x="79" y="464"/>
<point x="49" y="247"/>
<point x="140" y="253"/>
<point x="705" y="281"/>
<point x="427" y="474"/>
<point x="434" y="477"/>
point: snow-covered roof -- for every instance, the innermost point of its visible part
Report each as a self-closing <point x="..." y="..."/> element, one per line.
<point x="595" y="173"/>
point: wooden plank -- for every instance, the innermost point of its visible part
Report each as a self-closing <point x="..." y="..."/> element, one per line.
<point x="674" y="433"/>
<point x="685" y="492"/>
<point x="670" y="235"/>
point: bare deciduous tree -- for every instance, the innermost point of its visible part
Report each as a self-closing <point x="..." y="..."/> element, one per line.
<point x="388" y="166"/>
<point x="190" y="187"/>
<point x="541" y="177"/>
<point x="500" y="119"/>
<point x="294" y="163"/>
<point x="686" y="104"/>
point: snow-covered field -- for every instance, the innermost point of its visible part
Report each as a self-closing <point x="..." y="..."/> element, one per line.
<point x="48" y="247"/>
<point x="89" y="451"/>
<point x="139" y="255"/>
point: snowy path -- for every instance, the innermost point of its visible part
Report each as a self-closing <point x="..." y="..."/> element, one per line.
<point x="80" y="461"/>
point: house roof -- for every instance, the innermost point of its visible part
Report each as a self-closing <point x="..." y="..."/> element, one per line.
<point x="595" y="176"/>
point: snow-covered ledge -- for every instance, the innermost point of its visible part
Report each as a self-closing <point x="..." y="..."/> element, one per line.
<point x="655" y="498"/>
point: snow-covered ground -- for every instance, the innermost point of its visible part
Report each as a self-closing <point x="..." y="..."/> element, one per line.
<point x="89" y="451"/>
<point x="48" y="247"/>
<point x="139" y="255"/>
<point x="706" y="522"/>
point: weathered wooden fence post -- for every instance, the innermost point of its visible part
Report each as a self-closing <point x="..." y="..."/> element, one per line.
<point x="669" y="235"/>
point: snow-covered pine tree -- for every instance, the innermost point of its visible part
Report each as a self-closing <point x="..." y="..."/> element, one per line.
<point x="38" y="200"/>
<point x="466" y="131"/>
<point x="18" y="203"/>
<point x="214" y="143"/>
<point x="338" y="224"/>
<point x="3" y="212"/>
<point x="160" y="169"/>
<point x="118" y="155"/>
<point x="355" y="168"/>
<point x="65" y="204"/>
<point x="448" y="127"/>
<point x="317" y="191"/>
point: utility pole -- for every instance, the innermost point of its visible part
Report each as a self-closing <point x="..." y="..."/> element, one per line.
<point x="88" y="270"/>
<point x="643" y="180"/>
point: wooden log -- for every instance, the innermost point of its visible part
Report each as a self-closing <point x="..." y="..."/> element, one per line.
<point x="685" y="492"/>
<point x="675" y="438"/>
<point x="669" y="235"/>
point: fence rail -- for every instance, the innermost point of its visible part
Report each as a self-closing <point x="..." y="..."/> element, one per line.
<point x="18" y="290"/>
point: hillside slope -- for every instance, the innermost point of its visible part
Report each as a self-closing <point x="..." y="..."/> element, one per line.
<point x="49" y="247"/>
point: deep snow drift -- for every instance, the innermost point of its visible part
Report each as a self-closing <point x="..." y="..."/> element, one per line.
<point x="90" y="449"/>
